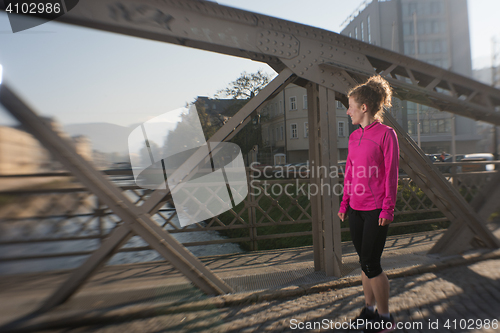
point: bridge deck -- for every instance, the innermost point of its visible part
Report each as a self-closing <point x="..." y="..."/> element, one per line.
<point x="120" y="286"/>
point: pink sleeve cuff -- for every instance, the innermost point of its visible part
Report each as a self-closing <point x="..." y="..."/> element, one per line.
<point x="386" y="215"/>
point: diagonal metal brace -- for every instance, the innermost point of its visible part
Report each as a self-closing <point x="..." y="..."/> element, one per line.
<point x="135" y="219"/>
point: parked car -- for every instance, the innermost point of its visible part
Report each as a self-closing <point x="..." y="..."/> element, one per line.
<point x="447" y="169"/>
<point x="478" y="157"/>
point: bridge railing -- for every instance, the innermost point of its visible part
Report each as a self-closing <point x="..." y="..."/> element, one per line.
<point x="69" y="221"/>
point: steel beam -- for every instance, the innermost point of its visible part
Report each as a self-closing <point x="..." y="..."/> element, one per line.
<point x="134" y="218"/>
<point x="225" y="133"/>
<point x="122" y="233"/>
<point x="328" y="146"/>
<point x="485" y="203"/>
<point x="315" y="159"/>
<point x="440" y="191"/>
<point x="210" y="26"/>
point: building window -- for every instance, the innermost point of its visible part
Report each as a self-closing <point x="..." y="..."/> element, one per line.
<point x="356" y="32"/>
<point x="277" y="133"/>
<point x="281" y="132"/>
<point x="426" y="127"/>
<point x="293" y="133"/>
<point x="281" y="106"/>
<point x="447" y="125"/>
<point x="434" y="126"/>
<point x="306" y="130"/>
<point x="350" y="34"/>
<point x="341" y="129"/>
<point x="412" y="127"/>
<point x="293" y="103"/>
<point x="340" y="105"/>
<point x="362" y="32"/>
<point x="368" y="29"/>
<point x="305" y="102"/>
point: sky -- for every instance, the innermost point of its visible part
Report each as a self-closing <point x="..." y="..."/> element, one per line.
<point x="80" y="75"/>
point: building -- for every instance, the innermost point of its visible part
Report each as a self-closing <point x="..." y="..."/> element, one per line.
<point x="434" y="31"/>
<point x="285" y="127"/>
<point x="22" y="153"/>
<point x="487" y="131"/>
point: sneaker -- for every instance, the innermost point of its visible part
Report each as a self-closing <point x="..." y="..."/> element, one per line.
<point x="380" y="325"/>
<point x="366" y="315"/>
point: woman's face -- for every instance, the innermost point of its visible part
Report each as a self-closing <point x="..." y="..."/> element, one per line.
<point x="356" y="111"/>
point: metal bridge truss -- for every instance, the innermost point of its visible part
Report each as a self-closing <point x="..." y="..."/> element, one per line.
<point x="328" y="65"/>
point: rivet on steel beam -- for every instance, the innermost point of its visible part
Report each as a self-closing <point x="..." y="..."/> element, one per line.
<point x="288" y="54"/>
<point x="298" y="61"/>
<point x="282" y="44"/>
<point x="266" y="49"/>
<point x="290" y="37"/>
<point x="310" y="64"/>
<point x="322" y="81"/>
<point x="321" y="53"/>
<point x="261" y="34"/>
<point x="274" y="50"/>
<point x="303" y="56"/>
<point x="268" y="32"/>
<point x="293" y="66"/>
<point x="315" y="60"/>
<point x="260" y="43"/>
<point x="294" y="51"/>
<point x="330" y="47"/>
<point x="296" y="43"/>
<point x="267" y="40"/>
<point x="308" y="51"/>
<point x="332" y="73"/>
<point x="289" y="45"/>
<point x="301" y="73"/>
<point x="331" y="85"/>
<point x="322" y="71"/>
<point x="276" y="34"/>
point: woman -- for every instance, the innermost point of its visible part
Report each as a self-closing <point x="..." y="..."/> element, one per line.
<point x="370" y="187"/>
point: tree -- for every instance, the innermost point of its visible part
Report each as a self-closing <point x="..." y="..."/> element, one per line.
<point x="246" y="86"/>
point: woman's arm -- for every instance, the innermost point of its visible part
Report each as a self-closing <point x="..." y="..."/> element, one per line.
<point x="344" y="205"/>
<point x="391" y="164"/>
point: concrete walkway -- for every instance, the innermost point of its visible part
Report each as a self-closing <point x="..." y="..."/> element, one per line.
<point x="465" y="298"/>
<point x="275" y="291"/>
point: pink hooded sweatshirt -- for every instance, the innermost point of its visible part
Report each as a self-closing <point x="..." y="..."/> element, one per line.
<point x="371" y="175"/>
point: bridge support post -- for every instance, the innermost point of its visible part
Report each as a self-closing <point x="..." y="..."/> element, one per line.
<point x="322" y="122"/>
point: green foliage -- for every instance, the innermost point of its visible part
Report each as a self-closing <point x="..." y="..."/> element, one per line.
<point x="267" y="203"/>
<point x="246" y="86"/>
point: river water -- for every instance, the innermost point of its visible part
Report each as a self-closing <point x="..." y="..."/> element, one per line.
<point x="59" y="228"/>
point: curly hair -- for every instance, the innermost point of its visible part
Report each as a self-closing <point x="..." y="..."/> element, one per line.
<point x="375" y="93"/>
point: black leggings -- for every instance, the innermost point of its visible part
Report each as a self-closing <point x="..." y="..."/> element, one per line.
<point x="368" y="238"/>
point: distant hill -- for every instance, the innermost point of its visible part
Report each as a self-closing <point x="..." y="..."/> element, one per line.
<point x="111" y="138"/>
<point x="105" y="137"/>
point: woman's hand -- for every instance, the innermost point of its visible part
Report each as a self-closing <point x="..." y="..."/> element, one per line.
<point x="382" y="222"/>
<point x="341" y="216"/>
